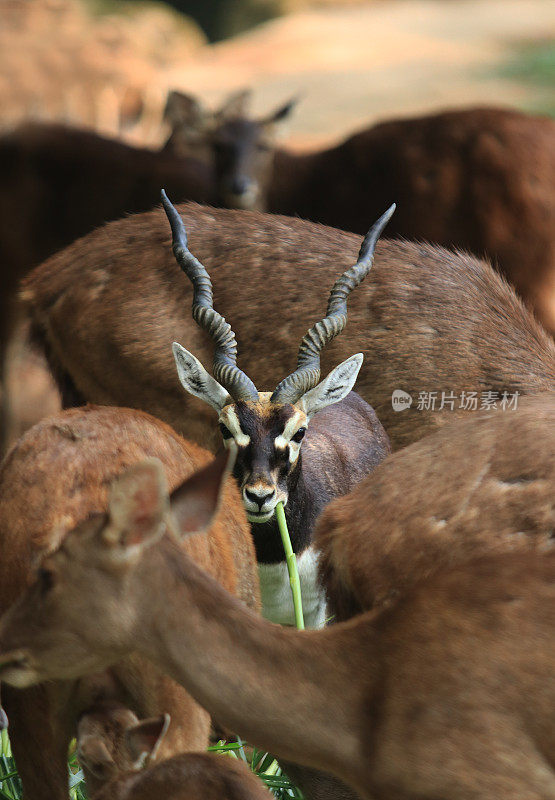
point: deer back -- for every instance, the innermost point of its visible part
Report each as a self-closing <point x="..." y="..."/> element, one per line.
<point x="426" y="319"/>
<point x="482" y="485"/>
<point x="480" y="179"/>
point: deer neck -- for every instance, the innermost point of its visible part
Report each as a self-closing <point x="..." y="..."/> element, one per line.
<point x="293" y="693"/>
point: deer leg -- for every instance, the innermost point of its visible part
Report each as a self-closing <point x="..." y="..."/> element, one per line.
<point x="39" y="746"/>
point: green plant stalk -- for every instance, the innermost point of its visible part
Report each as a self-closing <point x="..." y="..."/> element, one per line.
<point x="291" y="561"/>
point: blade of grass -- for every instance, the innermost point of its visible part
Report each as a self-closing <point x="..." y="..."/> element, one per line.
<point x="291" y="561"/>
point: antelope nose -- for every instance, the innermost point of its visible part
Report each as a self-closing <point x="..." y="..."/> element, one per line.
<point x="241" y="184"/>
<point x="257" y="498"/>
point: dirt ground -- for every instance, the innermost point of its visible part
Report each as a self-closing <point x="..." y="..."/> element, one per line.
<point x="353" y="66"/>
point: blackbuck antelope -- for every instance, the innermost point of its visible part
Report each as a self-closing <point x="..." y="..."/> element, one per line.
<point x="59" y="183"/>
<point x="450" y="692"/>
<point x="433" y="323"/>
<point x="343" y="440"/>
<point x="238" y="148"/>
<point x="57" y="476"/>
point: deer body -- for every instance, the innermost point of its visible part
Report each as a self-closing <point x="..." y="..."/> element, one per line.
<point x="59" y="183"/>
<point x="480" y="486"/>
<point x="480" y="179"/>
<point x="426" y="319"/>
<point x="447" y="693"/>
<point x="57" y="475"/>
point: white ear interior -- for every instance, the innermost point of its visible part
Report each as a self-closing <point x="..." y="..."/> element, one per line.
<point x="197" y="381"/>
<point x="334" y="387"/>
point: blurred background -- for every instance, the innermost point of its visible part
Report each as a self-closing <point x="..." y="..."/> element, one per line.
<point x="108" y="64"/>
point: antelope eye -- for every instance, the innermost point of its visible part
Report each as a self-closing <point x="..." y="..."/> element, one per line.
<point x="299" y="435"/>
<point x="46" y="580"/>
<point x="226" y="433"/>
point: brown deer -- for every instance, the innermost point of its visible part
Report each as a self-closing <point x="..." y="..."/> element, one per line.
<point x="450" y="692"/>
<point x="303" y="444"/>
<point x="239" y="149"/>
<point x="481" y="485"/>
<point x="58" y="183"/>
<point x="56" y="477"/>
<point x="480" y="179"/>
<point x="112" y="739"/>
<point x="189" y="776"/>
<point x="426" y="319"/>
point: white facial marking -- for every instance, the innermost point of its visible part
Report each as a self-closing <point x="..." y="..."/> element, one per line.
<point x="230" y="419"/>
<point x="298" y="420"/>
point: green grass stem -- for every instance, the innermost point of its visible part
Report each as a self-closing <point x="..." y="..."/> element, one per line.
<point x="291" y="561"/>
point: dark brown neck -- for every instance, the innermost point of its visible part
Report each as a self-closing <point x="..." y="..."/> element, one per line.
<point x="300" y="695"/>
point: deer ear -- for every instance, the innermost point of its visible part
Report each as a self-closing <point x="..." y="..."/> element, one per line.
<point x="333" y="388"/>
<point x="281" y="113"/>
<point x="236" y="105"/>
<point x="143" y="740"/>
<point x="195" y="502"/>
<point x="197" y="381"/>
<point x="3" y="719"/>
<point x="183" y="111"/>
<point x="137" y="505"/>
<point x="95" y="756"/>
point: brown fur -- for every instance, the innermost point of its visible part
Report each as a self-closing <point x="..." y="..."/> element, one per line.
<point x="57" y="475"/>
<point x="480" y="179"/>
<point x="483" y="485"/>
<point x="58" y="183"/>
<point x="426" y="319"/>
<point x="449" y="693"/>
<point x="190" y="776"/>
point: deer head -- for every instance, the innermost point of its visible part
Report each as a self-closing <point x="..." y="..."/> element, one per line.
<point x="111" y="740"/>
<point x="265" y="429"/>
<point x="241" y="148"/>
<point x="49" y="632"/>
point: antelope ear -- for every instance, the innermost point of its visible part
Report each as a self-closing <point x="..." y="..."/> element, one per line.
<point x="143" y="740"/>
<point x="95" y="756"/>
<point x="195" y="502"/>
<point x="333" y="388"/>
<point x="137" y="505"/>
<point x="236" y="105"/>
<point x="197" y="381"/>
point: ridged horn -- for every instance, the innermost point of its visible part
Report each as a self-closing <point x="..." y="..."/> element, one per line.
<point x="307" y="374"/>
<point x="226" y="371"/>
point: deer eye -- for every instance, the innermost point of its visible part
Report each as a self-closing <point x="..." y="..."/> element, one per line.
<point x="299" y="435"/>
<point x="226" y="433"/>
<point x="46" y="580"/>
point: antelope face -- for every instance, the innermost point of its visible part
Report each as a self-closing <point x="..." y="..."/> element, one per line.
<point x="266" y="439"/>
